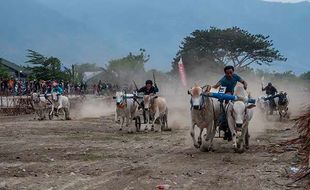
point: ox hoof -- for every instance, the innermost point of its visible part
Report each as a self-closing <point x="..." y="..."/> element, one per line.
<point x="209" y="149"/>
<point x="235" y="147"/>
<point x="204" y="149"/>
<point x="152" y="129"/>
<point x="166" y="129"/>
<point x="196" y="145"/>
<point x="120" y="129"/>
<point x="240" y="151"/>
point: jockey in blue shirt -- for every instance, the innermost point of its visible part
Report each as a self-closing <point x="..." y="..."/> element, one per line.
<point x="58" y="89"/>
<point x="229" y="81"/>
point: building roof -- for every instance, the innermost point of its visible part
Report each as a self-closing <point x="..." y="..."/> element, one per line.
<point x="14" y="67"/>
<point x="10" y="65"/>
<point x="89" y="75"/>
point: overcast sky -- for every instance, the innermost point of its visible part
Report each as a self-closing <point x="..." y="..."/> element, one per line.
<point x="287" y="1"/>
<point x="96" y="31"/>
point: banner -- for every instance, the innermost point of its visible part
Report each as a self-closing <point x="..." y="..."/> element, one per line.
<point x="182" y="72"/>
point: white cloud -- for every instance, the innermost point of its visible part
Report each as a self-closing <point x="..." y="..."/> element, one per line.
<point x="287" y="1"/>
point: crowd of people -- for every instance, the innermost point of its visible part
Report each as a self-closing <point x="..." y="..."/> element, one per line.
<point x="104" y="88"/>
<point x="15" y="87"/>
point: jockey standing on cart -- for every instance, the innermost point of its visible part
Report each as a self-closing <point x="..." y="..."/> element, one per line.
<point x="229" y="81"/>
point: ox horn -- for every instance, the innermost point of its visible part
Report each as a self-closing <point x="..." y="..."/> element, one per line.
<point x="208" y="88"/>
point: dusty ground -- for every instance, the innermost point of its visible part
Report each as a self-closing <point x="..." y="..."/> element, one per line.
<point x="91" y="153"/>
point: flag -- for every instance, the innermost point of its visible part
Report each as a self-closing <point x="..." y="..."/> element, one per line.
<point x="182" y="72"/>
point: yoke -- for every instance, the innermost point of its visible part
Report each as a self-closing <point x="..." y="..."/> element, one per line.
<point x="222" y="97"/>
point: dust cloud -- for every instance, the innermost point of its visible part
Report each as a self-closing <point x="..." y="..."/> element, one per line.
<point x="179" y="105"/>
<point x="179" y="102"/>
<point x="93" y="107"/>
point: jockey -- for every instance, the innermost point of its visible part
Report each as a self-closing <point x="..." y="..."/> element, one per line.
<point x="270" y="89"/>
<point x="229" y="81"/>
<point x="148" y="89"/>
<point x="58" y="90"/>
<point x="270" y="92"/>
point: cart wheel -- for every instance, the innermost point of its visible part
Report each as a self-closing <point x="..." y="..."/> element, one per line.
<point x="138" y="123"/>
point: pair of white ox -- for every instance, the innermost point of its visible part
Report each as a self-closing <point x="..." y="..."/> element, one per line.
<point x="127" y="109"/>
<point x="40" y="104"/>
<point x="205" y="112"/>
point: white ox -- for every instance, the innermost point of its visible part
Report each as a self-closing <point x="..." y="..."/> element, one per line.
<point x="239" y="113"/>
<point x="204" y="113"/>
<point x="156" y="107"/>
<point x="61" y="103"/>
<point x="40" y="105"/>
<point x="262" y="104"/>
<point x="126" y="109"/>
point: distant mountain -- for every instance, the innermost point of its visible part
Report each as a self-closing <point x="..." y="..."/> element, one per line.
<point x="100" y="30"/>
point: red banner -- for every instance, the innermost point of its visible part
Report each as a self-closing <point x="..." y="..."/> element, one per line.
<point x="182" y="72"/>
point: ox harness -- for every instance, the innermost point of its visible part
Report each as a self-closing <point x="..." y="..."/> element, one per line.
<point x="282" y="100"/>
<point x="222" y="122"/>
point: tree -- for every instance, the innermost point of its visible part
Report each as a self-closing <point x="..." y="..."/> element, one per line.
<point x="128" y="68"/>
<point x="217" y="47"/>
<point x="4" y="74"/>
<point x="47" y="68"/>
<point x="305" y="76"/>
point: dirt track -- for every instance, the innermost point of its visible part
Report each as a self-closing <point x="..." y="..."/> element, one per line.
<point x="91" y="153"/>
